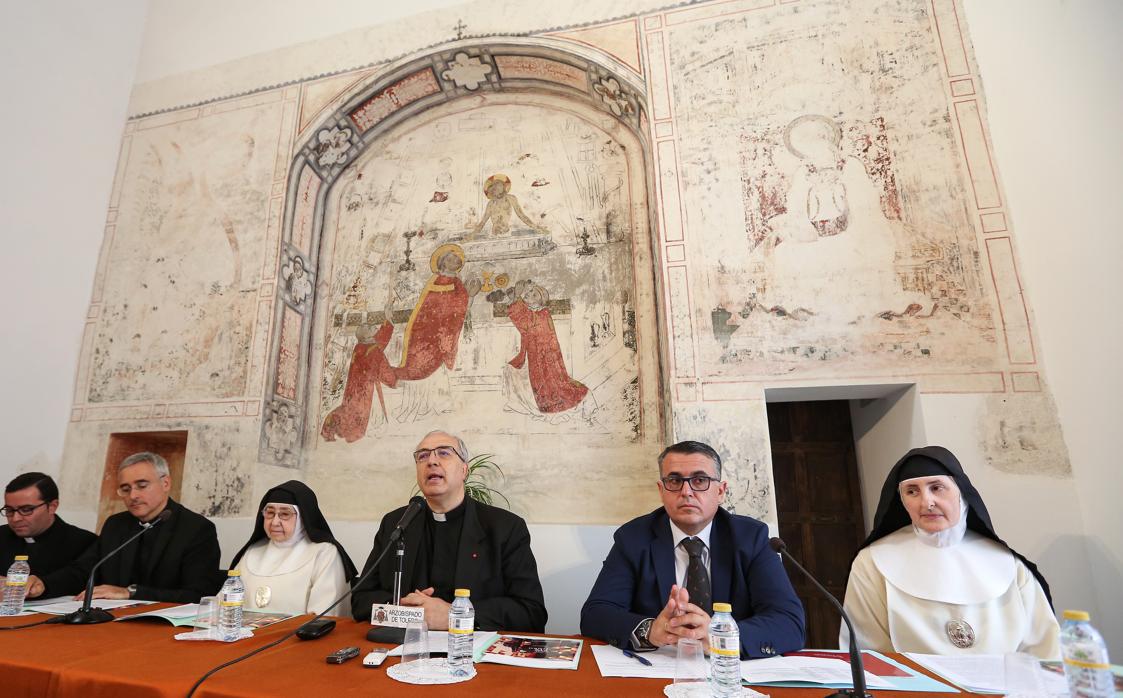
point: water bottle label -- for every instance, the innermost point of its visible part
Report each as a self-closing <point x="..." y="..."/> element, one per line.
<point x="725" y="646"/>
<point x="17" y="579"/>
<point x="461" y="626"/>
<point x="232" y="598"/>
<point x="1086" y="665"/>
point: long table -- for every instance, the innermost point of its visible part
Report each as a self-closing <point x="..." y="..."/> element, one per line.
<point x="143" y="660"/>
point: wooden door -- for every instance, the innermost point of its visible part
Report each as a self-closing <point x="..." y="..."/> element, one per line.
<point x="819" y="503"/>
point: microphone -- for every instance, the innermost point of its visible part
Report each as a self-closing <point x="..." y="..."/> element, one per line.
<point x="315" y="628"/>
<point x="416" y="503"/>
<point x="90" y="616"/>
<point x="857" y="671"/>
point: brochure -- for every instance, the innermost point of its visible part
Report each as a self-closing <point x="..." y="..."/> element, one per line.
<point x="535" y="652"/>
<point x="184" y="616"/>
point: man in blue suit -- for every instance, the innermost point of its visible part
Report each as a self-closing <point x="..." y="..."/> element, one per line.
<point x="666" y="569"/>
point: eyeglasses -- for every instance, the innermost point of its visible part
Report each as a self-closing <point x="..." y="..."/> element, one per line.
<point x="443" y="453"/>
<point x="140" y="486"/>
<point x="698" y="483"/>
<point x="25" y="510"/>
<point x="284" y="515"/>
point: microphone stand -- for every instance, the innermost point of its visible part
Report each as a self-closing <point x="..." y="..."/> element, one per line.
<point x="857" y="671"/>
<point x="92" y="616"/>
<point x="401" y="554"/>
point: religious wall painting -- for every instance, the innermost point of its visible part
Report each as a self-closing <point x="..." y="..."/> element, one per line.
<point x="182" y="276"/>
<point x="524" y="309"/>
<point x="858" y="253"/>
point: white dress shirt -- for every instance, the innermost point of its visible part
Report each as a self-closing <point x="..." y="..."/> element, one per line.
<point x="682" y="558"/>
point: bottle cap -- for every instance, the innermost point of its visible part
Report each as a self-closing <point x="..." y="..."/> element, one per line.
<point x="722" y="608"/>
<point x="1076" y="615"/>
<point x="234" y="573"/>
<point x="20" y="557"/>
<point x="462" y="592"/>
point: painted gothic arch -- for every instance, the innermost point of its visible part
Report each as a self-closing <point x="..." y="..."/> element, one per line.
<point x="404" y="92"/>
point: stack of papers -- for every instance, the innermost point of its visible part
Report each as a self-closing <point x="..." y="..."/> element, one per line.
<point x="981" y="673"/>
<point x="831" y="668"/>
<point x="62" y="605"/>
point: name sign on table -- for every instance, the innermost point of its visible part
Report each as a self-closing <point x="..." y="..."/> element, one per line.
<point x="393" y="616"/>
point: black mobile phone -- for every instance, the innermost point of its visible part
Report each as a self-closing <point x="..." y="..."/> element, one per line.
<point x="315" y="628"/>
<point x="340" y="656"/>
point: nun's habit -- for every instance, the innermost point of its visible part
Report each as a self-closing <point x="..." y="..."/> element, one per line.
<point x="303" y="574"/>
<point x="958" y="591"/>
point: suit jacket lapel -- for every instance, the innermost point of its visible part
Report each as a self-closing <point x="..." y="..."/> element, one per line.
<point x="721" y="558"/>
<point x="468" y="552"/>
<point x="663" y="554"/>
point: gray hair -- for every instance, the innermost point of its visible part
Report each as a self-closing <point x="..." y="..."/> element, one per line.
<point x="461" y="448"/>
<point x="155" y="459"/>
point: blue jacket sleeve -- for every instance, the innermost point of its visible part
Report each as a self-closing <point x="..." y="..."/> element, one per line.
<point x="775" y="624"/>
<point x="607" y="614"/>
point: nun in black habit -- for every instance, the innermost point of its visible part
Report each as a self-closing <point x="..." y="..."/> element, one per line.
<point x="933" y="576"/>
<point x="292" y="562"/>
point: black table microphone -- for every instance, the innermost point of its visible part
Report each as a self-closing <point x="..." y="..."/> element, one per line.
<point x="90" y="616"/>
<point x="857" y="671"/>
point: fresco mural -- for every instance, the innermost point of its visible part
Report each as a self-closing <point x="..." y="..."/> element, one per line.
<point x="572" y="245"/>
<point x="857" y="253"/>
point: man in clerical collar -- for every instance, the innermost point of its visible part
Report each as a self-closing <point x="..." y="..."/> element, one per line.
<point x="176" y="561"/>
<point x="456" y="543"/>
<point x="35" y="529"/>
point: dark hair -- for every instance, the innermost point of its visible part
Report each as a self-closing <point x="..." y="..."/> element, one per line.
<point x="688" y="447"/>
<point x="48" y="490"/>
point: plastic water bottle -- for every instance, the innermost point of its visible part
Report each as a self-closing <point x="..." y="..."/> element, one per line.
<point x="1085" y="657"/>
<point x="15" y="589"/>
<point x="725" y="652"/>
<point x="461" y="629"/>
<point x="230" y="600"/>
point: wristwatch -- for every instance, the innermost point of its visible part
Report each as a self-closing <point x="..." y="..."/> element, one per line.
<point x="132" y="591"/>
<point x="640" y="635"/>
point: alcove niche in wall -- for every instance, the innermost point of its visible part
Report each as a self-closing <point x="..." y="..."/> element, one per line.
<point x="172" y="445"/>
<point x="461" y="210"/>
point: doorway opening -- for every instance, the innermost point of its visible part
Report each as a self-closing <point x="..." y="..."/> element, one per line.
<point x="172" y="445"/>
<point x="831" y="449"/>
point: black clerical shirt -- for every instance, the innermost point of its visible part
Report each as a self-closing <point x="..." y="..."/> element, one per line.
<point x="437" y="557"/>
<point x="58" y="546"/>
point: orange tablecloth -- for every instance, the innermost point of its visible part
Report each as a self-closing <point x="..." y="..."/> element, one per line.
<point x="142" y="660"/>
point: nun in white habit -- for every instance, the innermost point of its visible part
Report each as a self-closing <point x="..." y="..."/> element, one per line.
<point x="933" y="577"/>
<point x="292" y="562"/>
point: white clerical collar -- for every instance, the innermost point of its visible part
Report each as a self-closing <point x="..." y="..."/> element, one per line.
<point x="678" y="536"/>
<point x="975" y="570"/>
<point x="28" y="540"/>
<point x="438" y="516"/>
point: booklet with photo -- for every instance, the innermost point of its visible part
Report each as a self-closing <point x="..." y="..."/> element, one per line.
<point x="184" y="616"/>
<point x="535" y="652"/>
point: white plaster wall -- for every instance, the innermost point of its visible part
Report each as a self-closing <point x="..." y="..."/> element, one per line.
<point x="1054" y="105"/>
<point x="66" y="71"/>
<point x="1050" y="75"/>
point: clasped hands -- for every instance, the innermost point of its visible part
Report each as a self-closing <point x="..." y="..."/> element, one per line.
<point x="35" y="589"/>
<point x="436" y="608"/>
<point x="678" y="620"/>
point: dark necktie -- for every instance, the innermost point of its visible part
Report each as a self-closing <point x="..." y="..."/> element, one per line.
<point x="697" y="578"/>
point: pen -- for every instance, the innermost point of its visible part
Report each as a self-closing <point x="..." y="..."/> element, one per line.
<point x="633" y="655"/>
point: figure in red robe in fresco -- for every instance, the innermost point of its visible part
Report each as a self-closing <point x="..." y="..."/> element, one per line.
<point x="431" y="339"/>
<point x="368" y="360"/>
<point x="554" y="390"/>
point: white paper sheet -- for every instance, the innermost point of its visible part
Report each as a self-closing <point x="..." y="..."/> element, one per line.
<point x="59" y="608"/>
<point x="981" y="673"/>
<point x="808" y="669"/>
<point x="614" y="663"/>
